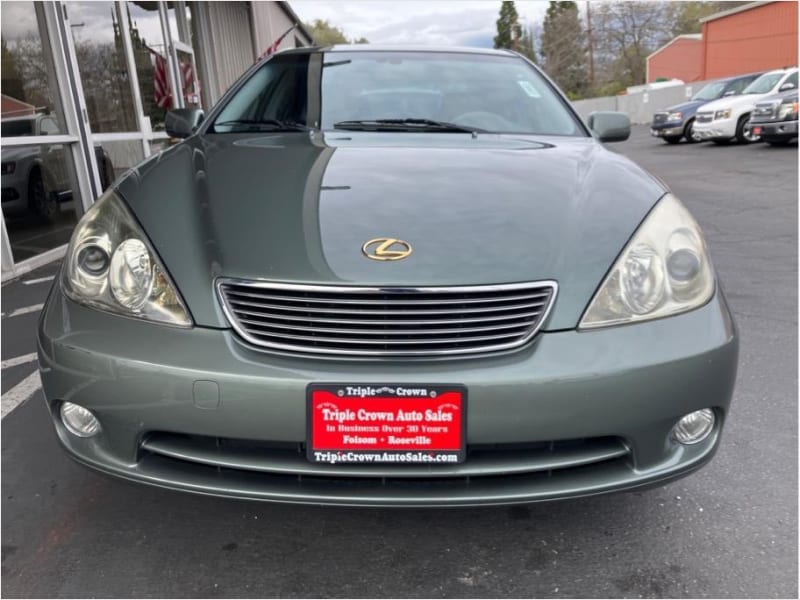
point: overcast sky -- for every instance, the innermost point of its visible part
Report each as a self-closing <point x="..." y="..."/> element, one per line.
<point x="447" y="22"/>
<point x="444" y="22"/>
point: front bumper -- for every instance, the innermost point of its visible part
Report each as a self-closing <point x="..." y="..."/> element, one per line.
<point x="666" y="131"/>
<point x="619" y="390"/>
<point x="718" y="129"/>
<point x="781" y="130"/>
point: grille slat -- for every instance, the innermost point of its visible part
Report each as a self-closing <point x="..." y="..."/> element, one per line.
<point x="383" y="342"/>
<point x="373" y="321"/>
<point x="386" y="322"/>
<point x="380" y="332"/>
<point x="448" y="311"/>
<point x="233" y="293"/>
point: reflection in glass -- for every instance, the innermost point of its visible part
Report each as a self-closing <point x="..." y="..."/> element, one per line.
<point x="39" y="204"/>
<point x="29" y="87"/>
<point x="150" y="56"/>
<point x="159" y="144"/>
<point x="101" y="62"/>
<point x="189" y="84"/>
<point x="117" y="158"/>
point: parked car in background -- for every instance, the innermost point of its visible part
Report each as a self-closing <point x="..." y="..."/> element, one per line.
<point x="676" y="122"/>
<point x="775" y="118"/>
<point x="36" y="178"/>
<point x="727" y="119"/>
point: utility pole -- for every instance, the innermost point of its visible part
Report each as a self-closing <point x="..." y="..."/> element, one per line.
<point x="591" y="42"/>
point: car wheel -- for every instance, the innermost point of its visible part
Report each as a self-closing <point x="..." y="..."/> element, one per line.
<point x="41" y="203"/>
<point x="673" y="139"/>
<point x="689" y="133"/>
<point x="745" y="135"/>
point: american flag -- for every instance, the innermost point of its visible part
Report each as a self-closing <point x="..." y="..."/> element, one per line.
<point x="274" y="47"/>
<point x="163" y="95"/>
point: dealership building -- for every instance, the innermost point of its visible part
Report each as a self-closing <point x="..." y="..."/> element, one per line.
<point x="85" y="90"/>
<point x="752" y="37"/>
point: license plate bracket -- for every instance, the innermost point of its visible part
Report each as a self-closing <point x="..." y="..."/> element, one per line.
<point x="386" y="424"/>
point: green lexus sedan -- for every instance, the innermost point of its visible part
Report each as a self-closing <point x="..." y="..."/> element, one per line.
<point x="389" y="276"/>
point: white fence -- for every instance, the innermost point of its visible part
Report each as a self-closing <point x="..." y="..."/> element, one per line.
<point x="640" y="106"/>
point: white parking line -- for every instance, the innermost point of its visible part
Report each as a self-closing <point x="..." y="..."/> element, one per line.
<point x="39" y="280"/>
<point x="19" y="360"/>
<point x="20" y="393"/>
<point x="24" y="311"/>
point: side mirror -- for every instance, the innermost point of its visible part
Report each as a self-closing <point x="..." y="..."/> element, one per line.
<point x="183" y="122"/>
<point x="787" y="86"/>
<point x="610" y="126"/>
<point x="729" y="93"/>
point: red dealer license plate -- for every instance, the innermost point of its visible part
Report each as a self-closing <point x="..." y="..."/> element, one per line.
<point x="386" y="424"/>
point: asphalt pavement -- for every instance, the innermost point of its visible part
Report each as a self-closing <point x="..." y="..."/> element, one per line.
<point x="728" y="531"/>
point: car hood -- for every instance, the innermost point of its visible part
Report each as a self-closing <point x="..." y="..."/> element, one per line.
<point x="685" y="107"/>
<point x="479" y="209"/>
<point x="18" y="153"/>
<point x="734" y="102"/>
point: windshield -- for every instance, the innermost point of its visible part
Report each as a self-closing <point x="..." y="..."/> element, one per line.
<point x="397" y="91"/>
<point x="712" y="91"/>
<point x="763" y="84"/>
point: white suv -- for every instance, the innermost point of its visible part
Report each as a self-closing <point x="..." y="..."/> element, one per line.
<point x="727" y="118"/>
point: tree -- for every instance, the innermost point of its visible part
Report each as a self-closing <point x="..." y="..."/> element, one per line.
<point x="12" y="78"/>
<point x="326" y="34"/>
<point x="625" y="33"/>
<point x="509" y="31"/>
<point x="563" y="49"/>
<point x="686" y="15"/>
<point x="527" y="43"/>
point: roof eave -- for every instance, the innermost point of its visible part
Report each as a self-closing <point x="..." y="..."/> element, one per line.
<point x="733" y="11"/>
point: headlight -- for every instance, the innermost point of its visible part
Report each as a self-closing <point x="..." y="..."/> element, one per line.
<point x="676" y="116"/>
<point x="110" y="265"/>
<point x="664" y="270"/>
<point x="8" y="168"/>
<point x="722" y="114"/>
<point x="787" y="109"/>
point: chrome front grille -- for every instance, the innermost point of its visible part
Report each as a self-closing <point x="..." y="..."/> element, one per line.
<point x="373" y="321"/>
<point x="705" y="117"/>
<point x="659" y="117"/>
<point x="765" y="110"/>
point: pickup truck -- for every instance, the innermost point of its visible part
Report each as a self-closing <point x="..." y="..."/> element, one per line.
<point x="775" y="119"/>
<point x="677" y="122"/>
<point x="727" y="119"/>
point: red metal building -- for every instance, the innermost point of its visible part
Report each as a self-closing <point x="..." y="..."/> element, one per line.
<point x="680" y="58"/>
<point x="754" y="37"/>
<point x="758" y="36"/>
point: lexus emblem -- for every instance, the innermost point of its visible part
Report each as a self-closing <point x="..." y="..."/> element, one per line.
<point x="386" y="249"/>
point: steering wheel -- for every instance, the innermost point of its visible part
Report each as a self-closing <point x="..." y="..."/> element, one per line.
<point x="484" y="120"/>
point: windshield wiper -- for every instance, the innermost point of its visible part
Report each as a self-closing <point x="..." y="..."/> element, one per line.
<point x="406" y="125"/>
<point x="262" y="125"/>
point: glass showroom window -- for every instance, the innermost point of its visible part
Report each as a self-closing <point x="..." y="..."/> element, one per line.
<point x="40" y="197"/>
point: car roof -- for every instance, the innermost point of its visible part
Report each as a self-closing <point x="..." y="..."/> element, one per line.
<point x="744" y="76"/>
<point x="399" y="48"/>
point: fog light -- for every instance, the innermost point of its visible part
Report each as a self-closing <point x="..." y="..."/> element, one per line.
<point x="694" y="427"/>
<point x="78" y="420"/>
